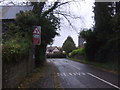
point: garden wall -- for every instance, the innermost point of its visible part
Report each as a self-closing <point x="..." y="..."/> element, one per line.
<point x="13" y="74"/>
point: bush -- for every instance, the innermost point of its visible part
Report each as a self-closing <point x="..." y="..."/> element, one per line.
<point x="80" y="51"/>
<point x="15" y="50"/>
<point x="56" y="55"/>
<point x="16" y="43"/>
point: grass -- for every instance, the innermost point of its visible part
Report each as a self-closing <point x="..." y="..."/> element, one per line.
<point x="108" y="66"/>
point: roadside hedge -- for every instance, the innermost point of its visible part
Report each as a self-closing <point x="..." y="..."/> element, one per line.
<point x="80" y="51"/>
<point x="15" y="50"/>
<point x="56" y="55"/>
<point x="15" y="44"/>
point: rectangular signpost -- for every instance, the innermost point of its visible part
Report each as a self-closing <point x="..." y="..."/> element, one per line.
<point x="37" y="36"/>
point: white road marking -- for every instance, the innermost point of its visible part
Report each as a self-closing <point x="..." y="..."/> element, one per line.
<point x="78" y="73"/>
<point x="83" y="73"/>
<point x="74" y="74"/>
<point x="58" y="74"/>
<point x="64" y="74"/>
<point x="103" y="80"/>
<point x="61" y="74"/>
<point x="70" y="74"/>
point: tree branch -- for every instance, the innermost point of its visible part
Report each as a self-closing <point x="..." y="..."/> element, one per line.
<point x="56" y="5"/>
<point x="50" y="10"/>
<point x="69" y="15"/>
<point x="69" y="22"/>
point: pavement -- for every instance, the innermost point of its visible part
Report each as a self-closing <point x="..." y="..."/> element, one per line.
<point x="47" y="81"/>
<point x="71" y="74"/>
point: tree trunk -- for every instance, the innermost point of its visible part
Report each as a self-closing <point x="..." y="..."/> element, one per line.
<point x="40" y="55"/>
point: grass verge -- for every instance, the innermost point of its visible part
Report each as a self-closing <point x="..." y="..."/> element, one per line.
<point x="35" y="75"/>
<point x="108" y="66"/>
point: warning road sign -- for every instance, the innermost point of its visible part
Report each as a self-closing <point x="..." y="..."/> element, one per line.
<point x="37" y="36"/>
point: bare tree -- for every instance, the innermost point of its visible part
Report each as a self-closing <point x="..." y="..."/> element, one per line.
<point x="46" y="7"/>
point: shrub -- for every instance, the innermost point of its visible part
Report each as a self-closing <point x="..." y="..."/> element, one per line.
<point x="16" y="43"/>
<point x="15" y="50"/>
<point x="80" y="51"/>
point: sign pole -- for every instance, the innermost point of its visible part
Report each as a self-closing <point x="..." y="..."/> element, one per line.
<point x="36" y="40"/>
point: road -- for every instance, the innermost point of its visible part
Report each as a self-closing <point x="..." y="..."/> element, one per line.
<point x="72" y="74"/>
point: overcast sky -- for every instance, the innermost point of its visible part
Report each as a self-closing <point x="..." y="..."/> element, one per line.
<point x="83" y="9"/>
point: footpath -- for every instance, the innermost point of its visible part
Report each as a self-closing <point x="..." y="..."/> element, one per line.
<point x="42" y="77"/>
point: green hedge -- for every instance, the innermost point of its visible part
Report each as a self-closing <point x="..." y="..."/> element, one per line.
<point x="15" y="43"/>
<point x="56" y="55"/>
<point x="80" y="51"/>
<point x="15" y="50"/>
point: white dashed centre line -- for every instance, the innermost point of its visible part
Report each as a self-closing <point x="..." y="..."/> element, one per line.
<point x="103" y="80"/>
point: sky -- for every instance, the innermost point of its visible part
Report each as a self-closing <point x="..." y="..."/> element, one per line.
<point x="83" y="9"/>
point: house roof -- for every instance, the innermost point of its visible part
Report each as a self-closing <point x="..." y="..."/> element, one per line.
<point x="9" y="12"/>
<point x="52" y="48"/>
<point x="56" y="49"/>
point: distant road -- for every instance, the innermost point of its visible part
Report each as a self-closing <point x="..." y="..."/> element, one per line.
<point x="72" y="74"/>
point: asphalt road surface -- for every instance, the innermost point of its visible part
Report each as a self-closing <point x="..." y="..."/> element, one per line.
<point x="72" y="74"/>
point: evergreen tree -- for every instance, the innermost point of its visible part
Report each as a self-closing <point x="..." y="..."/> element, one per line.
<point x="96" y="39"/>
<point x="68" y="45"/>
<point x="118" y="7"/>
<point x="103" y="17"/>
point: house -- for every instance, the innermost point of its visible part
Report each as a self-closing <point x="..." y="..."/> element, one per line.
<point x="52" y="50"/>
<point x="81" y="42"/>
<point x="9" y="14"/>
